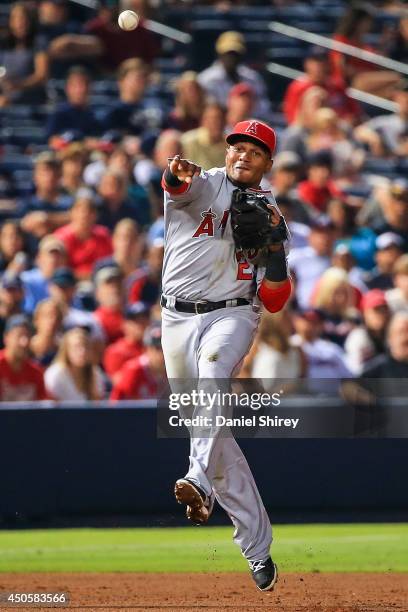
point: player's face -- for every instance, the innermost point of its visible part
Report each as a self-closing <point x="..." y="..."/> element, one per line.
<point x="247" y="163"/>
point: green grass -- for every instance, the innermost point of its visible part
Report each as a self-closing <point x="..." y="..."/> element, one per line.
<point x="297" y="548"/>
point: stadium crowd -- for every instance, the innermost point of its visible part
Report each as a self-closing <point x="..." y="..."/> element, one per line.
<point x="89" y="116"/>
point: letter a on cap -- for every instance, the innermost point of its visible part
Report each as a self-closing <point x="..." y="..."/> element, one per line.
<point x="252" y="128"/>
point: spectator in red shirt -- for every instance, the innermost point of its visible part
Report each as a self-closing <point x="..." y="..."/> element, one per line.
<point x="143" y="377"/>
<point x="319" y="188"/>
<point x="110" y="296"/>
<point x="317" y="72"/>
<point x="85" y="242"/>
<point x="20" y="378"/>
<point x="136" y="319"/>
<point x="347" y="70"/>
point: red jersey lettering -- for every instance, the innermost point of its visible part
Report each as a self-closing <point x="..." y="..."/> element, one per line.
<point x="207" y="224"/>
<point x="224" y="219"/>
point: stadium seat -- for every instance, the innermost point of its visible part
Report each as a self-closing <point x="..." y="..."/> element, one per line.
<point x="23" y="135"/>
<point x="291" y="57"/>
<point x="16" y="163"/>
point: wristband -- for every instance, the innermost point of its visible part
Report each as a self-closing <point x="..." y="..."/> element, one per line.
<point x="276" y="266"/>
<point x="171" y="179"/>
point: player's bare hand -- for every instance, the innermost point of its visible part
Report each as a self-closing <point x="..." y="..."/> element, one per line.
<point x="184" y="169"/>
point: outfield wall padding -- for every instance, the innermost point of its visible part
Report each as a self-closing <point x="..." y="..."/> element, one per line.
<point x="95" y="461"/>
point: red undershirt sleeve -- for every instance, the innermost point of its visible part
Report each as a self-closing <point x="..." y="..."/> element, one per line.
<point x="275" y="299"/>
<point x="175" y="190"/>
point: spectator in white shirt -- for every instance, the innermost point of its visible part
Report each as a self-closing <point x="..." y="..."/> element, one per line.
<point x="273" y="356"/>
<point x="72" y="376"/>
<point x="228" y="70"/>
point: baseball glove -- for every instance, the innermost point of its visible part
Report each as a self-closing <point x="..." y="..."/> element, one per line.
<point x="251" y="222"/>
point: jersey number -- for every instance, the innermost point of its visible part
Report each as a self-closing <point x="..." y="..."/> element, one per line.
<point x="244" y="271"/>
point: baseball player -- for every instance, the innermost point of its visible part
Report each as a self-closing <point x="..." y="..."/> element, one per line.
<point x="216" y="223"/>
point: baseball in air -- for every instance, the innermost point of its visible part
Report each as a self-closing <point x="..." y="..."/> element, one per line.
<point x="128" y="20"/>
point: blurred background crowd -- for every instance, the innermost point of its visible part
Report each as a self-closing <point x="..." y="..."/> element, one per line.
<point x="89" y="115"/>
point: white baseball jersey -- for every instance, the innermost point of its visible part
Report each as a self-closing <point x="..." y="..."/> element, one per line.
<point x="200" y="258"/>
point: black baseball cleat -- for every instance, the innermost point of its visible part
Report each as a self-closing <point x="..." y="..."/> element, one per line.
<point x="198" y="504"/>
<point x="264" y="573"/>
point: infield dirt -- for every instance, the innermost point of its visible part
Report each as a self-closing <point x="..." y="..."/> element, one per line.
<point x="218" y="592"/>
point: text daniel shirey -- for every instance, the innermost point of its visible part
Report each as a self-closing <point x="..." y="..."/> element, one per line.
<point x="222" y="421"/>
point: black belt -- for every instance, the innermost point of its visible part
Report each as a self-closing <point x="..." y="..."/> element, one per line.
<point x="200" y="307"/>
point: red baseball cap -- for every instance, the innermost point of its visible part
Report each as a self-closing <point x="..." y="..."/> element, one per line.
<point x="373" y="299"/>
<point x="256" y="131"/>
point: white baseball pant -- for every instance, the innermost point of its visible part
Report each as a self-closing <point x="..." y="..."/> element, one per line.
<point x="209" y="348"/>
